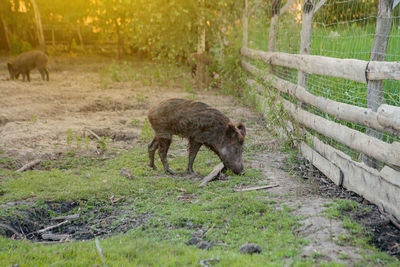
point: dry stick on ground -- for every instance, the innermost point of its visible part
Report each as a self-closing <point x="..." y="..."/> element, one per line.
<point x="205" y="262"/>
<point x="213" y="174"/>
<point x="69" y="217"/>
<point x="29" y="165"/>
<point x="100" y="251"/>
<point x="9" y="228"/>
<point x="93" y="133"/>
<point x="50" y="227"/>
<point x="115" y="200"/>
<point x="55" y="237"/>
<point x="256" y="188"/>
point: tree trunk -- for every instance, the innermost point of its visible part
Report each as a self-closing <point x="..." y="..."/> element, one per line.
<point x="118" y="42"/>
<point x="39" y="26"/>
<point x="53" y="38"/>
<point x="78" y="31"/>
<point x="378" y="53"/>
<point x="245" y="22"/>
<point x="6" y="34"/>
<point x="201" y="47"/>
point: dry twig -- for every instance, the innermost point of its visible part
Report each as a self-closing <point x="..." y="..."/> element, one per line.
<point x="51" y="227"/>
<point x="255" y="188"/>
<point x="29" y="165"/>
<point x="205" y="262"/>
<point x="69" y="217"/>
<point x="100" y="251"/>
<point x="213" y="174"/>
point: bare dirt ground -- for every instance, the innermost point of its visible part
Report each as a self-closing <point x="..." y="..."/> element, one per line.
<point x="37" y="119"/>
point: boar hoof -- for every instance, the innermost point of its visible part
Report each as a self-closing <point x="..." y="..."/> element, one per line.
<point x="170" y="171"/>
<point x="153" y="166"/>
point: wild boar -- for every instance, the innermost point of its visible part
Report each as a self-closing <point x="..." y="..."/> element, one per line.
<point x="26" y="62"/>
<point x="195" y="58"/>
<point x="201" y="125"/>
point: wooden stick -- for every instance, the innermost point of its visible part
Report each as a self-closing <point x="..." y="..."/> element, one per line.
<point x="115" y="200"/>
<point x="93" y="133"/>
<point x="213" y="174"/>
<point x="51" y="227"/>
<point x="55" y="237"/>
<point x="319" y="5"/>
<point x="9" y="228"/>
<point x="29" y="165"/>
<point x="256" y="5"/>
<point x="204" y="263"/>
<point x="286" y="6"/>
<point x="69" y="217"/>
<point x="100" y="251"/>
<point x="256" y="188"/>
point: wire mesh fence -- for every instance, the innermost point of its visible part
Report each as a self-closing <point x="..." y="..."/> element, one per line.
<point x="341" y="29"/>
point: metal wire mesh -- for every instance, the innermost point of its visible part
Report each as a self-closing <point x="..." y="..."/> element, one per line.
<point x="341" y="29"/>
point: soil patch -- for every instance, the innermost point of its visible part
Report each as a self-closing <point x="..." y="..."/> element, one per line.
<point x="111" y="105"/>
<point x="27" y="220"/>
<point x="384" y="235"/>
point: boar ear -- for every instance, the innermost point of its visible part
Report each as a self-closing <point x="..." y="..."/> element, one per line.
<point x="231" y="130"/>
<point x="242" y="129"/>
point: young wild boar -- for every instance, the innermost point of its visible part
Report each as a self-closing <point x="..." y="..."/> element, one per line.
<point x="26" y="62"/>
<point x="201" y="125"/>
<point x="195" y="58"/>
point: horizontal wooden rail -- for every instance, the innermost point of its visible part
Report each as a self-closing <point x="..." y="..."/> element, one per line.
<point x="351" y="69"/>
<point x="387" y="118"/>
<point x="388" y="153"/>
<point x="379" y="187"/>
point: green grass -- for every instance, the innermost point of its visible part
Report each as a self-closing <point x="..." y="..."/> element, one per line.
<point x="148" y="74"/>
<point x="235" y="218"/>
<point x="232" y="218"/>
<point x="358" y="235"/>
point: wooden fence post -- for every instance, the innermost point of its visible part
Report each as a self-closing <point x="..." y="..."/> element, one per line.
<point x="305" y="36"/>
<point x="272" y="29"/>
<point x="245" y="24"/>
<point x="378" y="53"/>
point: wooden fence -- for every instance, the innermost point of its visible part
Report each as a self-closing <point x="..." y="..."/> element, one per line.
<point x="382" y="187"/>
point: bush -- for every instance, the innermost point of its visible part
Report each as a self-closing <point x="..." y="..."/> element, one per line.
<point x="18" y="46"/>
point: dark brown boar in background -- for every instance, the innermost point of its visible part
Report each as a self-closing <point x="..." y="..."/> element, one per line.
<point x="201" y="125"/>
<point x="195" y="59"/>
<point x="26" y="62"/>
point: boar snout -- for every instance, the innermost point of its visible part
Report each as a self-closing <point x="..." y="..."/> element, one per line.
<point x="237" y="168"/>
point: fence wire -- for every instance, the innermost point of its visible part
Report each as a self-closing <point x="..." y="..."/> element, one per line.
<point x="341" y="29"/>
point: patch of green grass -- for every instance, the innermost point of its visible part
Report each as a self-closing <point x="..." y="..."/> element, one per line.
<point x="233" y="218"/>
<point x="148" y="74"/>
<point x="147" y="132"/>
<point x="357" y="233"/>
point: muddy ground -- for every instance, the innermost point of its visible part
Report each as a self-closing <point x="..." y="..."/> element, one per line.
<point x="42" y="119"/>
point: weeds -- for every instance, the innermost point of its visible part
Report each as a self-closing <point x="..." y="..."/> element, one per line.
<point x="147" y="132"/>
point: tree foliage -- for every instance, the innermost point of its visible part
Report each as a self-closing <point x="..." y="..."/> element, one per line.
<point x="158" y="28"/>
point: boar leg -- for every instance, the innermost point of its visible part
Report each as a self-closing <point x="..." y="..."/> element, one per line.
<point x="47" y="73"/>
<point x="27" y="75"/>
<point x="193" y="149"/>
<point x="163" y="146"/>
<point x="152" y="147"/>
<point x="42" y="73"/>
